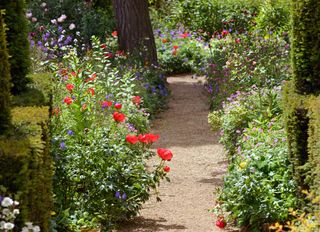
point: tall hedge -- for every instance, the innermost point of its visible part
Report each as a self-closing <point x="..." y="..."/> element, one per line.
<point x="306" y="45"/>
<point x="5" y="116"/>
<point x="18" y="44"/>
<point x="302" y="95"/>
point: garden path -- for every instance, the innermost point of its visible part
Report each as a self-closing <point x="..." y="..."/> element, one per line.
<point x="196" y="168"/>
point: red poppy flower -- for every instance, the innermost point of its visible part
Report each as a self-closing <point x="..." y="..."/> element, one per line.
<point x="175" y="47"/>
<point x="69" y="87"/>
<point x="166" y="168"/>
<point x="119" y="117"/>
<point x="114" y="34"/>
<point x="103" y="46"/>
<point x="164" y="154"/>
<point x="143" y="138"/>
<point x="106" y="104"/>
<point x="68" y="100"/>
<point x="152" y="138"/>
<point x="136" y="100"/>
<point x="91" y="90"/>
<point x="117" y="106"/>
<point x="221" y="223"/>
<point x="132" y="139"/>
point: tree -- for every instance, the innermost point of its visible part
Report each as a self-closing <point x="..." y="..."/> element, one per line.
<point x="5" y="116"/>
<point x="135" y="34"/>
<point x="18" y="44"/>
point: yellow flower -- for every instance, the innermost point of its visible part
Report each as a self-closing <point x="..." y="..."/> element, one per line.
<point x="243" y="164"/>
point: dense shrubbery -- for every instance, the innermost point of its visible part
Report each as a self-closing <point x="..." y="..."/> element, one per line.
<point x="259" y="187"/>
<point x="101" y="141"/>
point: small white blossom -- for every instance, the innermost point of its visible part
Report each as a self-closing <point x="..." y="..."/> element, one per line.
<point x="25" y="229"/>
<point x="53" y="21"/>
<point x="36" y="229"/>
<point x="72" y="26"/>
<point x="16" y="211"/>
<point x="29" y="15"/>
<point x="8" y="226"/>
<point x="6" y="202"/>
<point x="78" y="33"/>
<point x="62" y="18"/>
<point x="43" y="4"/>
<point x="16" y="203"/>
<point x="63" y="32"/>
<point x="6" y="211"/>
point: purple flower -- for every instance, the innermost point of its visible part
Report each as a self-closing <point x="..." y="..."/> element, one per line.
<point x="118" y="195"/>
<point x="124" y="196"/>
<point x="70" y="132"/>
<point x="62" y="145"/>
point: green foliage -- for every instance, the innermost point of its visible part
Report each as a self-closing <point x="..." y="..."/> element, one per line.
<point x="302" y="124"/>
<point x="258" y="188"/>
<point x="26" y="166"/>
<point x="306" y="46"/>
<point x="18" y="44"/>
<point x="5" y="115"/>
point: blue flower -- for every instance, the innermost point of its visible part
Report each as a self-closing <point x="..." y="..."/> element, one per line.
<point x="118" y="195"/>
<point x="70" y="132"/>
<point x="124" y="196"/>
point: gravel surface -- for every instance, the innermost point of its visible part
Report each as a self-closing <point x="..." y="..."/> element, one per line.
<point x="197" y="167"/>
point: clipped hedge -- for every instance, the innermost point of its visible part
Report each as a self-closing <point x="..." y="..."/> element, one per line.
<point x="302" y="113"/>
<point x="26" y="165"/>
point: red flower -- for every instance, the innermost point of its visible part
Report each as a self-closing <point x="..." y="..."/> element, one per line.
<point x="224" y="33"/>
<point x="119" y="117"/>
<point x="91" y="90"/>
<point x="175" y="47"/>
<point x="103" y="46"/>
<point x="152" y="138"/>
<point x="238" y="40"/>
<point x="143" y="138"/>
<point x="106" y="104"/>
<point x="132" y="139"/>
<point x="221" y="223"/>
<point x="164" y="154"/>
<point x="114" y="34"/>
<point x="166" y="168"/>
<point x="184" y="35"/>
<point x="108" y="55"/>
<point x="68" y="100"/>
<point x="74" y="74"/>
<point x="120" y="53"/>
<point x="117" y="106"/>
<point x="69" y="87"/>
<point x="136" y="100"/>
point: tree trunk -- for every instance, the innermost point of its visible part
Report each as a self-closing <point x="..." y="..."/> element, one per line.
<point x="135" y="34"/>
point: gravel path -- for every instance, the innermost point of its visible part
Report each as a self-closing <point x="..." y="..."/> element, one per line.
<point x="196" y="168"/>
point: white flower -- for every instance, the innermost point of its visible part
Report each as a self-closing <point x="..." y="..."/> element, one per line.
<point x="29" y="225"/>
<point x="25" y="229"/>
<point x="2" y="224"/>
<point x="6" y="202"/>
<point x="16" y="203"/>
<point x="29" y="15"/>
<point x="78" y="33"/>
<point x="62" y="18"/>
<point x="5" y="211"/>
<point x="64" y="31"/>
<point x="34" y="19"/>
<point x="43" y="4"/>
<point x="53" y="21"/>
<point x="72" y="26"/>
<point x="36" y="229"/>
<point x="16" y="211"/>
<point x="8" y="226"/>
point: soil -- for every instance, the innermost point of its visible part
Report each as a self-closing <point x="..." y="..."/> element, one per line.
<point x="197" y="167"/>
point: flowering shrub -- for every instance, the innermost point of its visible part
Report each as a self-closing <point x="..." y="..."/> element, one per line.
<point x="100" y="143"/>
<point x="240" y="61"/>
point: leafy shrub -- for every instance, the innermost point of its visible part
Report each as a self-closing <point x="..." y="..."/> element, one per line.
<point x="101" y="175"/>
<point x="259" y="188"/>
<point x="241" y="61"/>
